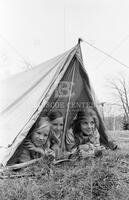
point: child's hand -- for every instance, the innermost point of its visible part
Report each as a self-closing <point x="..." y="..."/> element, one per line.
<point x="87" y="147"/>
<point x="32" y="147"/>
<point x="101" y="148"/>
<point x="84" y="154"/>
<point x="50" y="154"/>
<point x="84" y="147"/>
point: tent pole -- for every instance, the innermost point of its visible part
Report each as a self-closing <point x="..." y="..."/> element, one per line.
<point x="67" y="111"/>
<point x="80" y="40"/>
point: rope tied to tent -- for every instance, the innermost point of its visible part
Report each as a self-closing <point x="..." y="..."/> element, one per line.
<point x="103" y="52"/>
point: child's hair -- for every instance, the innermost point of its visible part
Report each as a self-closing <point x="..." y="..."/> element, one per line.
<point x="81" y="115"/>
<point x="42" y="122"/>
<point x="54" y="115"/>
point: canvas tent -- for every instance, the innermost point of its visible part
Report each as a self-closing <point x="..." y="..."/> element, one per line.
<point x="60" y="83"/>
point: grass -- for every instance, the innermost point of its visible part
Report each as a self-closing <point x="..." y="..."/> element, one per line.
<point x="104" y="178"/>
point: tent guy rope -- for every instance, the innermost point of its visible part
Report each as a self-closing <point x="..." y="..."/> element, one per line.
<point x="115" y="59"/>
<point x="15" y="50"/>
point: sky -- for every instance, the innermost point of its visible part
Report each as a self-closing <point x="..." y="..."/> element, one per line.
<point x="33" y="31"/>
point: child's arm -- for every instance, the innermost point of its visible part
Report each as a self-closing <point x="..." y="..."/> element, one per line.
<point x="97" y="144"/>
<point x="69" y="140"/>
<point x="32" y="147"/>
<point x="96" y="141"/>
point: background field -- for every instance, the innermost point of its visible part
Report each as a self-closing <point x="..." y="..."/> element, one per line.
<point x="122" y="138"/>
<point x="104" y="178"/>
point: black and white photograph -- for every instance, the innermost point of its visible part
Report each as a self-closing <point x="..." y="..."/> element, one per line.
<point x="64" y="100"/>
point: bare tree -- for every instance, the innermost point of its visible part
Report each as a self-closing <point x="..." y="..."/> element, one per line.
<point x="120" y="86"/>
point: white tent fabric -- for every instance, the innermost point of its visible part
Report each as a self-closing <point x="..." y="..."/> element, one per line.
<point x="23" y="97"/>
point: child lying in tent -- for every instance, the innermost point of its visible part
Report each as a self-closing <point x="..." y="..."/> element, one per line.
<point x="83" y="138"/>
<point x="44" y="140"/>
<point x="56" y="120"/>
<point x="38" y="144"/>
<point x="57" y="123"/>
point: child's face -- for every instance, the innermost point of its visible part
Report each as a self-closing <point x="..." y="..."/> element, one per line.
<point x="57" y="125"/>
<point x="40" y="137"/>
<point x="88" y="126"/>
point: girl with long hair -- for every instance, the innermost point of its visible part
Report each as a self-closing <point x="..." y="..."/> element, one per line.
<point x="83" y="135"/>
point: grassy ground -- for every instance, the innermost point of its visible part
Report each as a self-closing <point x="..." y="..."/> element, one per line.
<point x="105" y="178"/>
